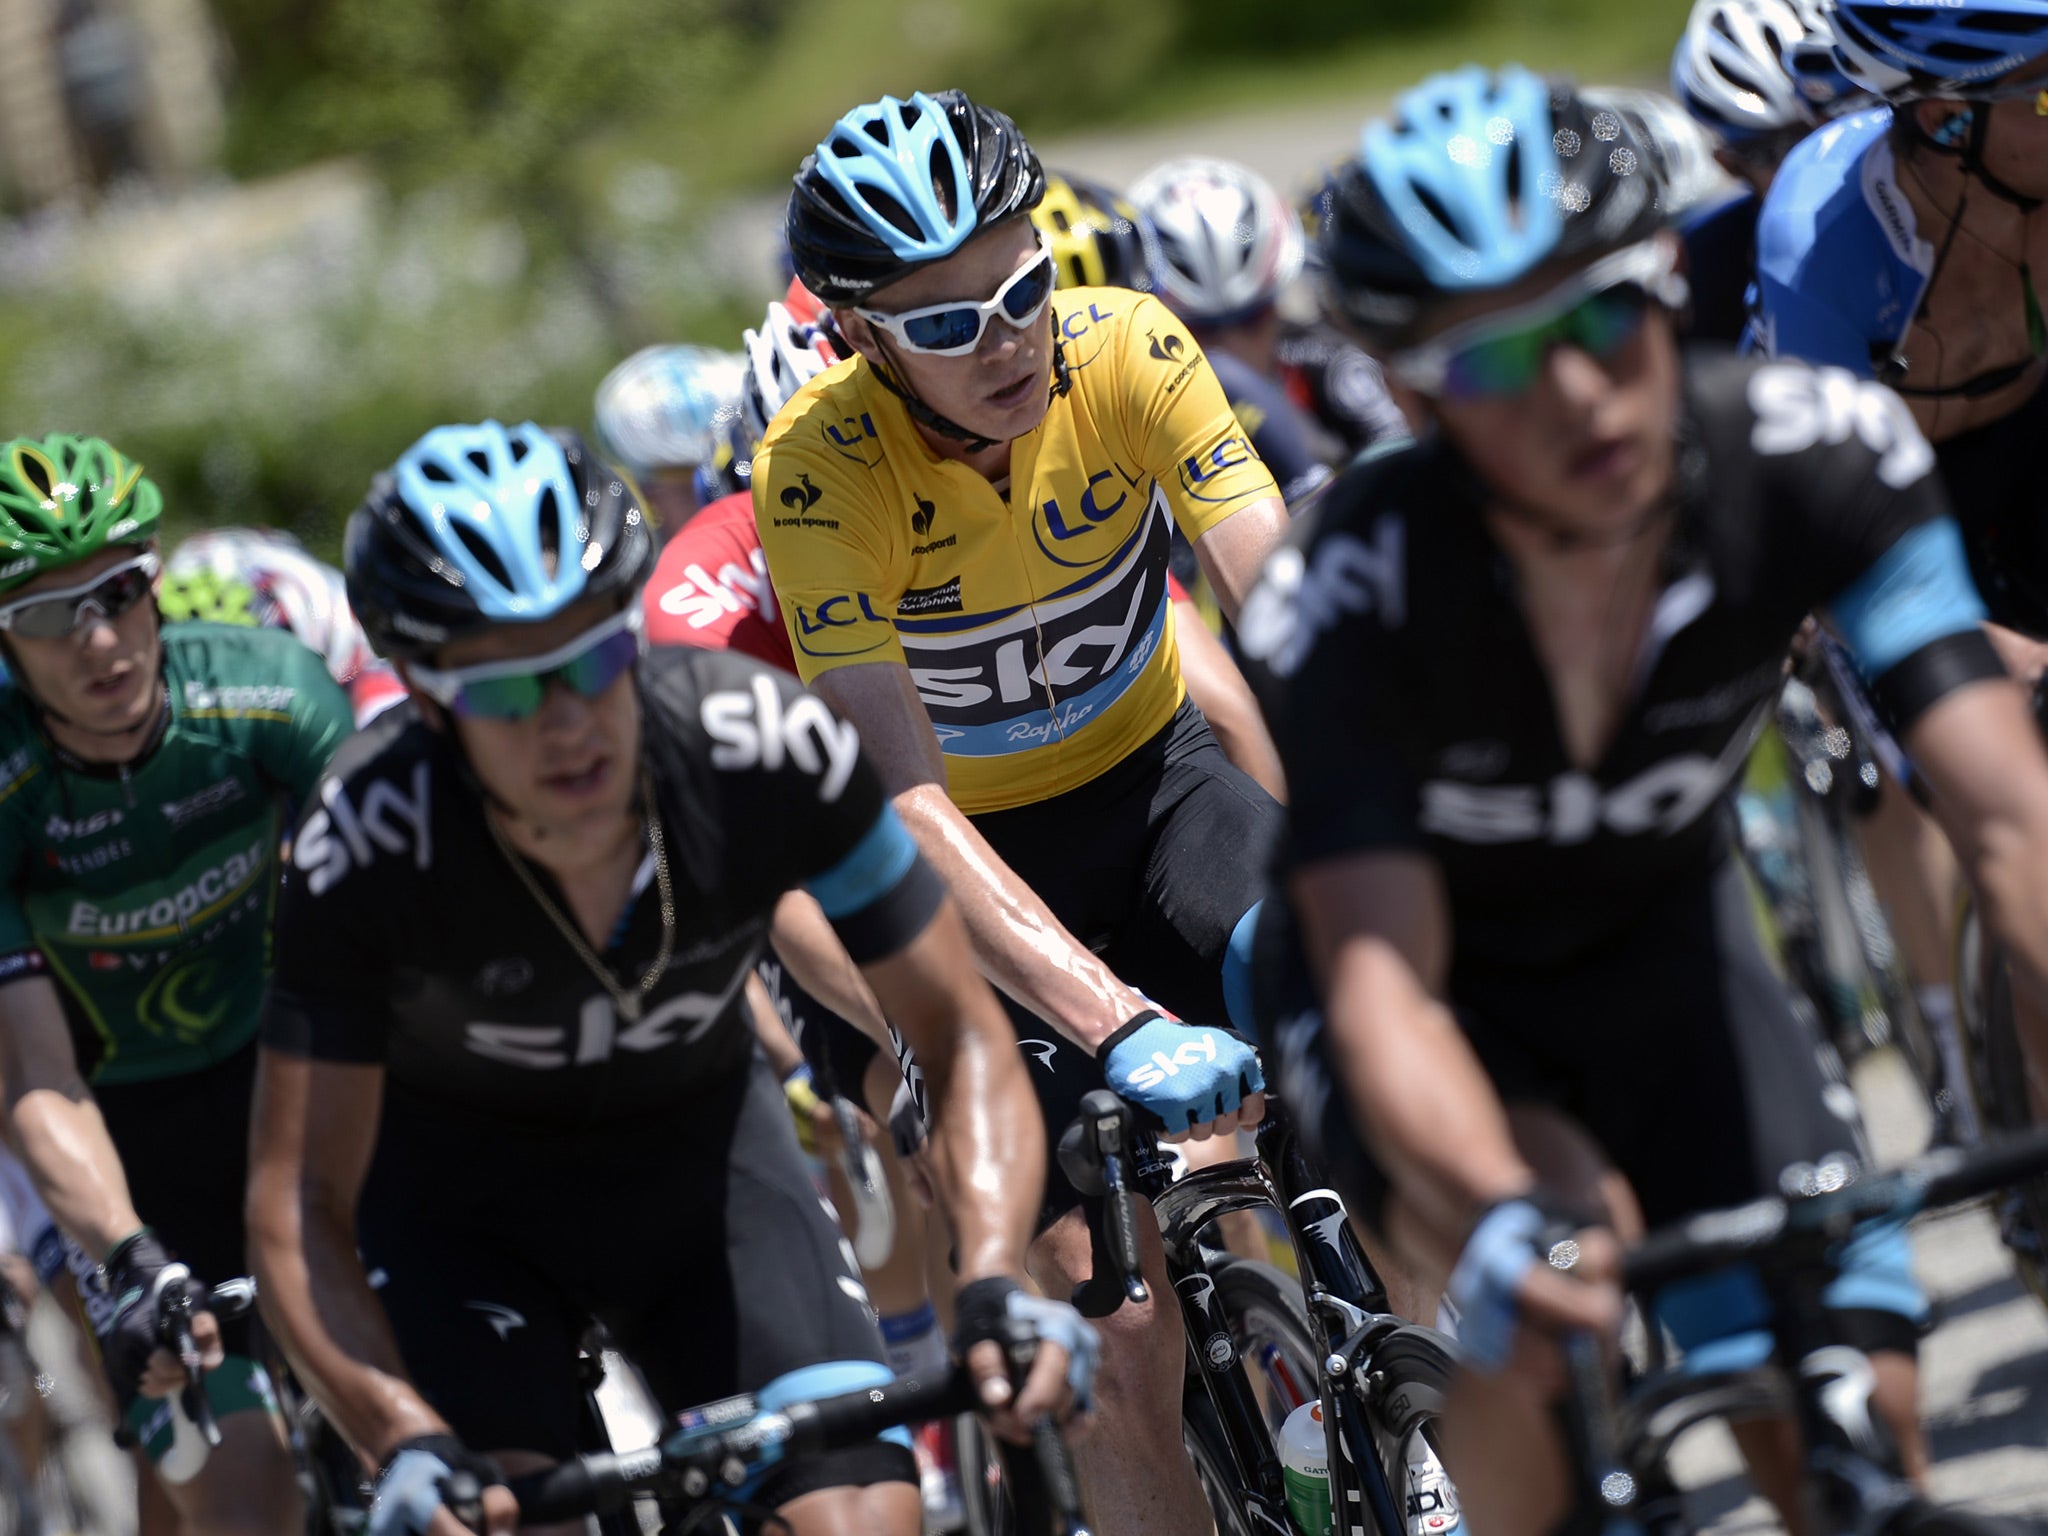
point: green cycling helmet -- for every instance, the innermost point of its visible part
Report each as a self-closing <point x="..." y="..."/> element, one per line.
<point x="64" y="499"/>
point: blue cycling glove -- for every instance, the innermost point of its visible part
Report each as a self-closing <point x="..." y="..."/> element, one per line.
<point x="1484" y="1282"/>
<point x="414" y="1479"/>
<point x="998" y="1308"/>
<point x="1182" y="1075"/>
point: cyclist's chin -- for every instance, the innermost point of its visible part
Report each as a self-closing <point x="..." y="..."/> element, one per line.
<point x="109" y="702"/>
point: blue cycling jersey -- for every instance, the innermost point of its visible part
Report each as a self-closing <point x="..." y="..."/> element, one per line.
<point x="1840" y="267"/>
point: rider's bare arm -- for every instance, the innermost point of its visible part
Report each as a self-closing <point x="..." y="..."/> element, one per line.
<point x="1377" y="931"/>
<point x="1019" y="944"/>
<point x="987" y="1142"/>
<point x="1225" y="700"/>
<point x="57" y="1127"/>
<point x="804" y="942"/>
<point x="1980" y="752"/>
<point x="313" y="1131"/>
<point x="1234" y="551"/>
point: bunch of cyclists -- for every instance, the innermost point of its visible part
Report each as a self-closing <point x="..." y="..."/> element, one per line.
<point x="1045" y="657"/>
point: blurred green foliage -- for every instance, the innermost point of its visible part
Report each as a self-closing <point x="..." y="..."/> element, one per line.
<point x="537" y="192"/>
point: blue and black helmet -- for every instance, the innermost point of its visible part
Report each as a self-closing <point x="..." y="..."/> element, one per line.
<point x="1907" y="49"/>
<point x="1475" y="180"/>
<point x="897" y="185"/>
<point x="477" y="526"/>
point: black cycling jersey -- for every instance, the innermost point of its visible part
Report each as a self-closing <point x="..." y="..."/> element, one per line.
<point x="1994" y="479"/>
<point x="1411" y="710"/>
<point x="1327" y="373"/>
<point x="405" y="939"/>
<point x="1720" y="263"/>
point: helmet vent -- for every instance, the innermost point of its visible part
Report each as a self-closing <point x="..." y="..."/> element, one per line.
<point x="35" y="469"/>
<point x="482" y="552"/>
<point x="2005" y="23"/>
<point x="517" y="443"/>
<point x="479" y="460"/>
<point x="882" y="204"/>
<point x="549" y="515"/>
<point x="942" y="180"/>
<point x="432" y="470"/>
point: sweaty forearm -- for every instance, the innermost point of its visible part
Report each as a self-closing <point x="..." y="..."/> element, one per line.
<point x="319" y="1305"/>
<point x="1018" y="943"/>
<point x="1420" y="1098"/>
<point x="71" y="1159"/>
<point x="987" y="1146"/>
<point x="805" y="943"/>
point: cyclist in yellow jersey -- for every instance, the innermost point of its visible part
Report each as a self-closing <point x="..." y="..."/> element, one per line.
<point x="967" y="525"/>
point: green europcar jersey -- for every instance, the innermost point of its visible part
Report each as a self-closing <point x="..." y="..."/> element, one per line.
<point x="145" y="890"/>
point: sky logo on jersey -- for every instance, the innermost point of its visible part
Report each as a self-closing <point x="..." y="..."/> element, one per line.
<point x="754" y="729"/>
<point x="701" y="599"/>
<point x="1297" y="599"/>
<point x="1661" y="801"/>
<point x="1797" y="406"/>
<point x="337" y="837"/>
<point x="1026" y="677"/>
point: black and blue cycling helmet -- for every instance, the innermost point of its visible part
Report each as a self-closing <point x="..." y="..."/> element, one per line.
<point x="897" y="185"/>
<point x="1475" y="180"/>
<point x="477" y="526"/>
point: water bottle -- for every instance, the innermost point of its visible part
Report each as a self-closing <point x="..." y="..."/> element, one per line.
<point x="1305" y="1469"/>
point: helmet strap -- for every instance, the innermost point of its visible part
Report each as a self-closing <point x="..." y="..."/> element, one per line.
<point x="921" y="413"/>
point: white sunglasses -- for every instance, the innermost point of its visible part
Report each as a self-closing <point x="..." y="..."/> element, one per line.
<point x="956" y="327"/>
<point x="50" y="615"/>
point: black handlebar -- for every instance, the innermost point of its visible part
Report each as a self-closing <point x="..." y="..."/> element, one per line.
<point x="699" y="1463"/>
<point x="1796" y="1229"/>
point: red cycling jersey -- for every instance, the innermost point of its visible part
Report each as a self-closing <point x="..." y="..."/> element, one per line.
<point x="710" y="588"/>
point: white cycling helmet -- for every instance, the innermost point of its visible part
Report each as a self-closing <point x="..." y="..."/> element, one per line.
<point x="1231" y="244"/>
<point x="264" y="577"/>
<point x="1733" y="68"/>
<point x="668" y="407"/>
<point x="782" y="356"/>
<point x="1693" y="178"/>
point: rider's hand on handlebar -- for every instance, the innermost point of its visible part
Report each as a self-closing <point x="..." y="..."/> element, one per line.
<point x="140" y="1275"/>
<point x="1000" y="1324"/>
<point x="1190" y="1081"/>
<point x="1529" y="1272"/>
<point x="415" y="1484"/>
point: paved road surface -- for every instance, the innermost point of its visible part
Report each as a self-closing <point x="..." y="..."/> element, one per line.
<point x="1984" y="1368"/>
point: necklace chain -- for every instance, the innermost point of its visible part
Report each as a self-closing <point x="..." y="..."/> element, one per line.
<point x="628" y="1002"/>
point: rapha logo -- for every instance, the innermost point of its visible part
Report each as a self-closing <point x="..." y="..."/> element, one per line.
<point x="1042" y="1049"/>
<point x="802" y="496"/>
<point x="501" y="1317"/>
<point x="1167" y="348"/>
<point x="921" y="520"/>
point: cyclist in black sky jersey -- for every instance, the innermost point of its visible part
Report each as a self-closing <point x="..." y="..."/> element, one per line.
<point x="523" y="917"/>
<point x="1512" y="669"/>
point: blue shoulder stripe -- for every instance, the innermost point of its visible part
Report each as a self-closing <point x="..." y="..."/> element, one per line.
<point x="1916" y="592"/>
<point x="879" y="861"/>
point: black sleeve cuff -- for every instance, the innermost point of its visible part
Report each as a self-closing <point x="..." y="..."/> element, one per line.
<point x="1911" y="687"/>
<point x="20" y="964"/>
<point x="889" y="922"/>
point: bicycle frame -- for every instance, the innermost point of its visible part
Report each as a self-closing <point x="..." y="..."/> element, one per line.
<point x="1347" y="1307"/>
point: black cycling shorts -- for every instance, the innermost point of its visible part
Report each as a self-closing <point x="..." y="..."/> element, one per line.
<point x="1675" y="1045"/>
<point x="1153" y="865"/>
<point x="696" y="1238"/>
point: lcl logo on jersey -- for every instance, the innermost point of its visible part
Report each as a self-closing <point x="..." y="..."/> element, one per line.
<point x="1101" y="499"/>
<point x="855" y="438"/>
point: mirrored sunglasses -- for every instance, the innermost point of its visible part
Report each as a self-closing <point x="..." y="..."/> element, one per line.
<point x="1598" y="311"/>
<point x="52" y="615"/>
<point x="516" y="689"/>
<point x="956" y="327"/>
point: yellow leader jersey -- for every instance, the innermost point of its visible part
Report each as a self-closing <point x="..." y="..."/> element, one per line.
<point x="1036" y="625"/>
